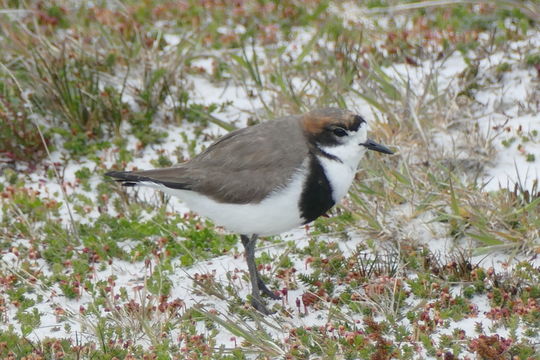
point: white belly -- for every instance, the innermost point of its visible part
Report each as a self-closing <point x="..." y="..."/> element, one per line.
<point x="277" y="213"/>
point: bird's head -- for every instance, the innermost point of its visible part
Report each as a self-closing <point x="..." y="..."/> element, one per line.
<point x="339" y="133"/>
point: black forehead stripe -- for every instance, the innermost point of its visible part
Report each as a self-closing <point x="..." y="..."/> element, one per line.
<point x="358" y="120"/>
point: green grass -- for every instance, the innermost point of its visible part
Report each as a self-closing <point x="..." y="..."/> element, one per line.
<point x="20" y="139"/>
<point x="101" y="85"/>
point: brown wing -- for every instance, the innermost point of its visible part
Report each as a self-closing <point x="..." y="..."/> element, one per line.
<point x="243" y="166"/>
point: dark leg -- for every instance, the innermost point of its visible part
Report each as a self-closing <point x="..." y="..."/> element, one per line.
<point x="266" y="291"/>
<point x="262" y="286"/>
<point x="256" y="301"/>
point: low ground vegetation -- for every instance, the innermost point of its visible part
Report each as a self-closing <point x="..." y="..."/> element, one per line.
<point x="433" y="254"/>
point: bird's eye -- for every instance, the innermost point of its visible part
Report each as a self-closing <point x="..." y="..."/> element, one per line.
<point x="339" y="132"/>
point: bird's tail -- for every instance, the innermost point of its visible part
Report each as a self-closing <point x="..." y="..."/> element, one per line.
<point x="128" y="178"/>
<point x="153" y="178"/>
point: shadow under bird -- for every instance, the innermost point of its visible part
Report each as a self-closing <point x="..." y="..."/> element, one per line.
<point x="268" y="178"/>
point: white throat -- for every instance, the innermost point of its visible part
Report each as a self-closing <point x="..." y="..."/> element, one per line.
<point x="341" y="169"/>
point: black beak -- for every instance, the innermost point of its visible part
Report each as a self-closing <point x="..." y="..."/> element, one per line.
<point x="372" y="145"/>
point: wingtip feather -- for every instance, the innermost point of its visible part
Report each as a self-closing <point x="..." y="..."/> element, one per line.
<point x="127" y="178"/>
<point x="123" y="177"/>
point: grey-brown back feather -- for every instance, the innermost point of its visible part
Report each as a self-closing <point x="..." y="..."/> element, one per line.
<point x="244" y="166"/>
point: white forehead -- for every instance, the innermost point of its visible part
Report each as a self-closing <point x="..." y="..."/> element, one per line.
<point x="360" y="135"/>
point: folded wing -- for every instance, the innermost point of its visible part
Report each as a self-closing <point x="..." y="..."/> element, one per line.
<point x="242" y="167"/>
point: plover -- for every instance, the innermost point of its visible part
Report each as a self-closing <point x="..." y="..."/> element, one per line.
<point x="268" y="178"/>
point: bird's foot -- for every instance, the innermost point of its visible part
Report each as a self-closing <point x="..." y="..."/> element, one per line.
<point x="259" y="305"/>
<point x="266" y="291"/>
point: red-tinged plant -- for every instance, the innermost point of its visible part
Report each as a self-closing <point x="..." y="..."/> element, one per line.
<point x="492" y="347"/>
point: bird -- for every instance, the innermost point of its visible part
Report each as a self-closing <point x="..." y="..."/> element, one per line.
<point x="268" y="178"/>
